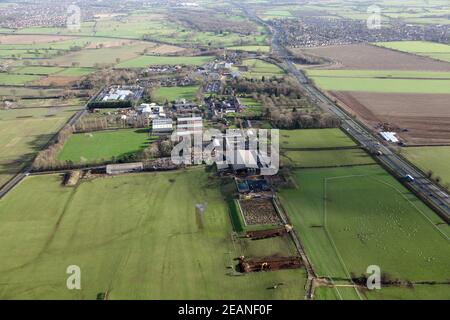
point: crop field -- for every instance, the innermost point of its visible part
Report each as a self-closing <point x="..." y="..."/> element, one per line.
<point x="103" y="146"/>
<point x="355" y="57"/>
<point x="258" y="68"/>
<point x="388" y="85"/>
<point x="431" y="159"/>
<point x="163" y="94"/>
<point x="130" y="240"/>
<point x="23" y="132"/>
<point x="351" y="218"/>
<point x="379" y="85"/>
<point x="314" y="139"/>
<point x="146" y="61"/>
<point x="433" y="50"/>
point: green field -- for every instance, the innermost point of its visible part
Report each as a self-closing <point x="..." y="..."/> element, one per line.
<point x="23" y="132"/>
<point x="433" y="159"/>
<point x="163" y="94"/>
<point x="16" y="79"/>
<point x="351" y="218"/>
<point x="258" y="68"/>
<point x="387" y="85"/>
<point x="262" y="49"/>
<point x="37" y="70"/>
<point x="130" y="239"/>
<point x="314" y="139"/>
<point x="433" y="50"/>
<point x="146" y="61"/>
<point x="325" y="158"/>
<point x="103" y="146"/>
<point x="382" y="74"/>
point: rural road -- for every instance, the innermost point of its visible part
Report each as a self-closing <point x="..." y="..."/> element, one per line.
<point x="27" y="170"/>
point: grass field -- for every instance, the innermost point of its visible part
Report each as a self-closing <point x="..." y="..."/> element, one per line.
<point x="433" y="50"/>
<point x="174" y="93"/>
<point x="382" y="74"/>
<point x="431" y="158"/>
<point x="130" y="239"/>
<point x="37" y="70"/>
<point x="258" y="68"/>
<point x="146" y="61"/>
<point x="104" y="145"/>
<point x="314" y="139"/>
<point x="350" y="218"/>
<point x="16" y="79"/>
<point x="383" y="85"/>
<point x="23" y="132"/>
<point x="325" y="158"/>
<point x="262" y="49"/>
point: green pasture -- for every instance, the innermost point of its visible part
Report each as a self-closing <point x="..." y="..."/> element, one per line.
<point x="131" y="240"/>
<point x="103" y="146"/>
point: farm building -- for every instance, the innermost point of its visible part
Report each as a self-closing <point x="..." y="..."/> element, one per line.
<point x="152" y="110"/>
<point x="113" y="169"/>
<point x="189" y="126"/>
<point x="162" y="126"/>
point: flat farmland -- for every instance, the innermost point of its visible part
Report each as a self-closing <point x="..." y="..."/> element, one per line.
<point x="103" y="146"/>
<point x="146" y="61"/>
<point x="435" y="159"/>
<point x="174" y="93"/>
<point x="353" y="217"/>
<point x="258" y="68"/>
<point x="438" y="51"/>
<point x="314" y="139"/>
<point x="23" y="132"/>
<point x="409" y="93"/>
<point x="369" y="57"/>
<point x="131" y="241"/>
<point x="425" y="116"/>
<point x="100" y="56"/>
<point x="16" y="79"/>
<point x="326" y="158"/>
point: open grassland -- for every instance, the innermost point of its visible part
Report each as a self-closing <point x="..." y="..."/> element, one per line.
<point x="103" y="146"/>
<point x="418" y="292"/>
<point x="163" y="94"/>
<point x="44" y="71"/>
<point x="9" y="92"/>
<point x="350" y="218"/>
<point x="325" y="158"/>
<point x="131" y="240"/>
<point x="146" y="61"/>
<point x="438" y="51"/>
<point x="154" y="25"/>
<point x="314" y="139"/>
<point x="23" y="132"/>
<point x="258" y="68"/>
<point x="431" y="159"/>
<point x="16" y="79"/>
<point x="101" y="56"/>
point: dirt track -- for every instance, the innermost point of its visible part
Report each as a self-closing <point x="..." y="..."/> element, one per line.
<point x="426" y="116"/>
<point x="368" y="57"/>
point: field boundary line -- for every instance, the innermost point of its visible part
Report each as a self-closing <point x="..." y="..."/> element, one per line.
<point x="421" y="212"/>
<point x="331" y="238"/>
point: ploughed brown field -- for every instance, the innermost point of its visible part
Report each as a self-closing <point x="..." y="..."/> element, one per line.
<point x="368" y="57"/>
<point x="419" y="119"/>
<point x="425" y="116"/>
<point x="59" y="81"/>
